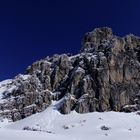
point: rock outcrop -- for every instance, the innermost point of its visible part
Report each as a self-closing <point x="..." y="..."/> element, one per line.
<point x="104" y="76"/>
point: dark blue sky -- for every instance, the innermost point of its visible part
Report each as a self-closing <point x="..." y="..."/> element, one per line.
<point x="33" y="29"/>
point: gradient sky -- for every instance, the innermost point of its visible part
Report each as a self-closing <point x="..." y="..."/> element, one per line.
<point x="32" y="29"/>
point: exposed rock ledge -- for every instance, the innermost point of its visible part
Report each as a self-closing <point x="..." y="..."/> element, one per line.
<point x="104" y="76"/>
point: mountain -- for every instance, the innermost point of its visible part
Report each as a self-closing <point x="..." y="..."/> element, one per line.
<point x="104" y="76"/>
<point x="52" y="125"/>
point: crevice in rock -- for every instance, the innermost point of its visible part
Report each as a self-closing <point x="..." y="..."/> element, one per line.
<point x="138" y="55"/>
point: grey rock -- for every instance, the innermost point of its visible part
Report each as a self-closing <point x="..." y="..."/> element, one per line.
<point x="67" y="104"/>
<point x="105" y="128"/>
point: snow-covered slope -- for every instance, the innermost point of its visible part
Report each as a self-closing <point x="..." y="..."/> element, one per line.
<point x="52" y="125"/>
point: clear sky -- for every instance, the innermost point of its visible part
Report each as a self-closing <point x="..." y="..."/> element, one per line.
<point x="32" y="29"/>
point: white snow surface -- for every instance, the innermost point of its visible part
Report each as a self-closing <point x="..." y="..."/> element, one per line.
<point x="9" y="81"/>
<point x="24" y="77"/>
<point x="52" y="125"/>
<point x="5" y="86"/>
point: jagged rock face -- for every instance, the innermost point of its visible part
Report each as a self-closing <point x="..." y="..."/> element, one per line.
<point x="104" y="76"/>
<point x="22" y="97"/>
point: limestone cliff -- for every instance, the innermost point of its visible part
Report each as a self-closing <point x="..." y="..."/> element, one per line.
<point x="104" y="76"/>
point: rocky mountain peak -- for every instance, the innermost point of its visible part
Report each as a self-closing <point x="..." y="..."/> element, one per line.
<point x="101" y="39"/>
<point x="92" y="40"/>
<point x="104" y="76"/>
